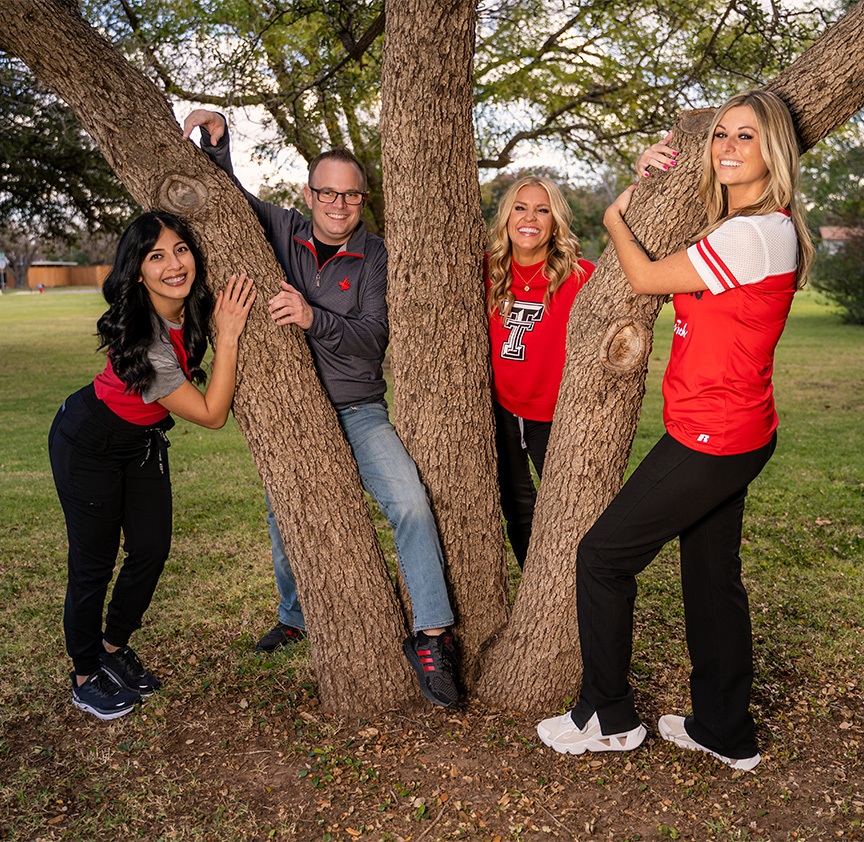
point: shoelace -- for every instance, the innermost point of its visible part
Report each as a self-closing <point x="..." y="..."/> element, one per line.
<point x="104" y="685"/>
<point x="439" y="646"/>
<point x="130" y="660"/>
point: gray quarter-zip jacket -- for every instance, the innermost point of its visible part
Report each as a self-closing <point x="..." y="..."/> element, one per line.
<point x="349" y="331"/>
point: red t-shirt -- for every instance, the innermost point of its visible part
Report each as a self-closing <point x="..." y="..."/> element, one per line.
<point x="131" y="406"/>
<point x="528" y="345"/>
<point x="718" y="396"/>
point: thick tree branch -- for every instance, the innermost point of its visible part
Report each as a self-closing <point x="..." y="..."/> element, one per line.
<point x="280" y="404"/>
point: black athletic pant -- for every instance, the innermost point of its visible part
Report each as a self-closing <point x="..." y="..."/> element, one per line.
<point x="515" y="444"/>
<point x="675" y="491"/>
<point x="111" y="476"/>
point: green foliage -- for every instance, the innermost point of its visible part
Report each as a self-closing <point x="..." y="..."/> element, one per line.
<point x="311" y="68"/>
<point x="592" y="80"/>
<point x="840" y="275"/>
<point x="54" y="183"/>
<point x="51" y="174"/>
<point x="832" y="176"/>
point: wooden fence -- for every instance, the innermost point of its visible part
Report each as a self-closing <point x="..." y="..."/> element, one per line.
<point x="65" y="276"/>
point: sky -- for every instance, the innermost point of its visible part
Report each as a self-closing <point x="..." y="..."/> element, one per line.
<point x="246" y="128"/>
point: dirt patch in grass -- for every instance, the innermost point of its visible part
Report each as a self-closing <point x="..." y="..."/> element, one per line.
<point x="250" y="761"/>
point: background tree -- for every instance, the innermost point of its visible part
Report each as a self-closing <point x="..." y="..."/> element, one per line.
<point x="586" y="78"/>
<point x="589" y="78"/>
<point x="312" y="68"/>
<point x="834" y="182"/>
<point x="54" y="182"/>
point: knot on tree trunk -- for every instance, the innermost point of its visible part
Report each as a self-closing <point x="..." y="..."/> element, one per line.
<point x="625" y="346"/>
<point x="182" y="195"/>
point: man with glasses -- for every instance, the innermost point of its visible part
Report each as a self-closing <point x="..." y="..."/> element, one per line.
<point x="336" y="292"/>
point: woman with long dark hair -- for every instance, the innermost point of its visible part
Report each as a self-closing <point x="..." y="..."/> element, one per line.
<point x="109" y="448"/>
<point x="732" y="290"/>
<point x="534" y="268"/>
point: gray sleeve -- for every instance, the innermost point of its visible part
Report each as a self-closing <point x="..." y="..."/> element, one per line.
<point x="278" y="223"/>
<point x="168" y="375"/>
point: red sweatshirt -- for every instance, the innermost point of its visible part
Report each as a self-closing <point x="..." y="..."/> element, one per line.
<point x="528" y="345"/>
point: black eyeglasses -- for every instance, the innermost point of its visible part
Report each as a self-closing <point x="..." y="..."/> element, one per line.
<point x="327" y="196"/>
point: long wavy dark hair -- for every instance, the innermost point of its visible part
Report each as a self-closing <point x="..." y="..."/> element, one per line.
<point x="127" y="329"/>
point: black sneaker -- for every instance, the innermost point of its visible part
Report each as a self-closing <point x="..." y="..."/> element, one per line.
<point x="126" y="669"/>
<point x="102" y="696"/>
<point x="278" y="637"/>
<point x="434" y="661"/>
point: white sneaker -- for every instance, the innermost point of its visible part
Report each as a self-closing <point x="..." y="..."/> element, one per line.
<point x="672" y="728"/>
<point x="561" y="734"/>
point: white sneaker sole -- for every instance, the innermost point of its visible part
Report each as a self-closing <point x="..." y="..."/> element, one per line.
<point x="105" y="716"/>
<point x="671" y="728"/>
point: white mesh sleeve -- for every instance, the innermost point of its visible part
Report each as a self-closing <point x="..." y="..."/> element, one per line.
<point x="745" y="250"/>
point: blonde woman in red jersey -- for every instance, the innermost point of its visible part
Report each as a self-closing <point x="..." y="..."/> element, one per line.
<point x="534" y="268"/>
<point x="732" y="290"/>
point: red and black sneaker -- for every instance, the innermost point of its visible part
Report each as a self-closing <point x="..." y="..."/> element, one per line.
<point x="434" y="661"/>
<point x="280" y="636"/>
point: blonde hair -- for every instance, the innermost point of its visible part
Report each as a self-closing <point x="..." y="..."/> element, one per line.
<point x="562" y="256"/>
<point x="778" y="144"/>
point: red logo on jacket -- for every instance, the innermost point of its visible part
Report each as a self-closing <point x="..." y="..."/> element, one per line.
<point x="345" y="285"/>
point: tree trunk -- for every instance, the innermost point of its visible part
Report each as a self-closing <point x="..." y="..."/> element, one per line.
<point x="442" y="399"/>
<point x="535" y="665"/>
<point x="438" y="341"/>
<point x="281" y="408"/>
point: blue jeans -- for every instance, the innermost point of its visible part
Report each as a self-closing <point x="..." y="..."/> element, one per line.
<point x="389" y="474"/>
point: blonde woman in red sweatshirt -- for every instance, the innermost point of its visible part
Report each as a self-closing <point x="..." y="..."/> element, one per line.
<point x="534" y="268"/>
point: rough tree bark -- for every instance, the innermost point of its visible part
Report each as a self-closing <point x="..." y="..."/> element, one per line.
<point x="288" y="422"/>
<point x="535" y="665"/>
<point x="438" y="350"/>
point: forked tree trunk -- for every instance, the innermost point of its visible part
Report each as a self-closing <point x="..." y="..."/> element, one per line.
<point x="284" y="414"/>
<point x="535" y="666"/>
<point x="439" y="349"/>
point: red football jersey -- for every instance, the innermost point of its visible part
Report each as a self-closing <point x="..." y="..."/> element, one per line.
<point x="718" y="395"/>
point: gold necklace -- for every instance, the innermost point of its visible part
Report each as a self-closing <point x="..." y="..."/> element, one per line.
<point x="530" y="280"/>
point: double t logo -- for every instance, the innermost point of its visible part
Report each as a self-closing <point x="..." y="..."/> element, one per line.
<point x="521" y="318"/>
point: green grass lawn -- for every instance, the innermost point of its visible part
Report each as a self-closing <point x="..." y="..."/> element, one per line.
<point x="803" y="556"/>
<point x="220" y="547"/>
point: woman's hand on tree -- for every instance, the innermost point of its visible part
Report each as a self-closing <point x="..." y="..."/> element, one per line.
<point x="659" y="155"/>
<point x="233" y="305"/>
